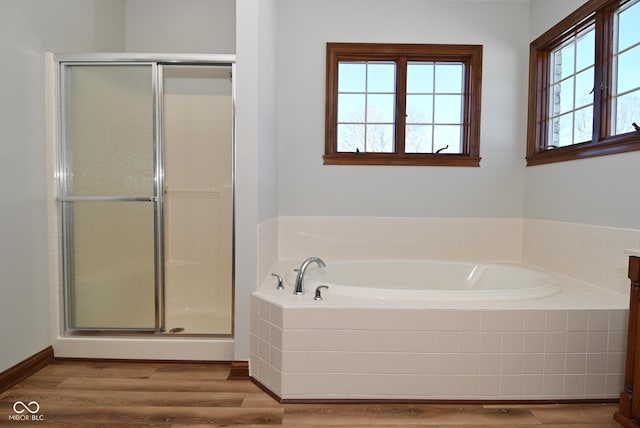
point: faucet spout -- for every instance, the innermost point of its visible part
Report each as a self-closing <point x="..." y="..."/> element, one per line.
<point x="303" y="267"/>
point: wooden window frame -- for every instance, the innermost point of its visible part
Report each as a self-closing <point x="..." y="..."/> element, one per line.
<point x="601" y="13"/>
<point x="470" y="55"/>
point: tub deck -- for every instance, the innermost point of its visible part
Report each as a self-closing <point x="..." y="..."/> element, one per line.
<point x="574" y="294"/>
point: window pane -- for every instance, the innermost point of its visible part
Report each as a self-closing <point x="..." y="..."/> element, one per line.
<point x="563" y="62"/>
<point x="586" y="49"/>
<point x="449" y="78"/>
<point x="562" y="131"/>
<point x="584" y="88"/>
<point x="420" y="77"/>
<point x="381" y="108"/>
<point x="418" y="139"/>
<point x="444" y="136"/>
<point x="562" y="97"/>
<point x="629" y="70"/>
<point x="627" y="108"/>
<point x="352" y="77"/>
<point x="628" y="27"/>
<point x="448" y="109"/>
<point x="350" y="138"/>
<point x="381" y="77"/>
<point x="351" y="108"/>
<point x="583" y="126"/>
<point x="380" y="138"/>
<point x="572" y="76"/>
<point x="419" y="108"/>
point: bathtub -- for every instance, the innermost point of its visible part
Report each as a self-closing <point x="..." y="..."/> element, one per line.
<point x="428" y="279"/>
<point x="479" y="332"/>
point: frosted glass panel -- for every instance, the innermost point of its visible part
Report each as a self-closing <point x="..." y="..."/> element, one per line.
<point x="109" y="152"/>
<point x="109" y="128"/>
<point x="113" y="268"/>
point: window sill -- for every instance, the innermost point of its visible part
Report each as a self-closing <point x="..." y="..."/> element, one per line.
<point x="407" y="160"/>
<point x="613" y="145"/>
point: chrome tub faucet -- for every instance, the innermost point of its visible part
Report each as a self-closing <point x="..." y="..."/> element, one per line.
<point x="303" y="267"/>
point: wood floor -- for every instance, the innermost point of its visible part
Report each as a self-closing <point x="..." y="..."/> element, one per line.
<point x="118" y="394"/>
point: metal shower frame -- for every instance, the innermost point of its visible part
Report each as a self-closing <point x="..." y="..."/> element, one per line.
<point x="156" y="61"/>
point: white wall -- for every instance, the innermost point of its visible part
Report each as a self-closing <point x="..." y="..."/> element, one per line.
<point x="267" y="162"/>
<point x="29" y="28"/>
<point x="544" y="14"/>
<point x="256" y="161"/>
<point x="267" y="112"/>
<point x="246" y="198"/>
<point x="306" y="187"/>
<point x="185" y="26"/>
<point x="597" y="191"/>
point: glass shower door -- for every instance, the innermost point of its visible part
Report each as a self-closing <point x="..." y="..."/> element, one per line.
<point x="109" y="198"/>
<point x="197" y="139"/>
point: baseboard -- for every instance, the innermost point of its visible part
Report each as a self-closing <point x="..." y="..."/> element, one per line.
<point x="435" y="401"/>
<point x="239" y="370"/>
<point x="26" y="368"/>
<point x="140" y="361"/>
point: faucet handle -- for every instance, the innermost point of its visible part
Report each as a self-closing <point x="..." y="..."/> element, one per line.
<point x="319" y="288"/>
<point x="280" y="284"/>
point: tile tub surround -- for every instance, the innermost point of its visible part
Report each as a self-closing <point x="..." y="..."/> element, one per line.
<point x="490" y="240"/>
<point x="594" y="254"/>
<point x="562" y="347"/>
<point x="590" y="253"/>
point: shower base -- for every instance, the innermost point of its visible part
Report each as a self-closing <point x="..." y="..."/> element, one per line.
<point x="193" y="321"/>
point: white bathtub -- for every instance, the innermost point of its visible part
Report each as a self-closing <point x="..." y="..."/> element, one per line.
<point x="478" y="332"/>
<point x="428" y="279"/>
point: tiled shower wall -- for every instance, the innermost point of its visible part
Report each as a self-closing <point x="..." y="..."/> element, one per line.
<point x="199" y="205"/>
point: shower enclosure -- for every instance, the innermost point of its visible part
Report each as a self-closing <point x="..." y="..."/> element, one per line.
<point x="146" y="194"/>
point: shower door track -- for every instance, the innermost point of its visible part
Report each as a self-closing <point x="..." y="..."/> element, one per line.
<point x="157" y="61"/>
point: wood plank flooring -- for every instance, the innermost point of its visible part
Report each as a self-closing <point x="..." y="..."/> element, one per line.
<point x="122" y="394"/>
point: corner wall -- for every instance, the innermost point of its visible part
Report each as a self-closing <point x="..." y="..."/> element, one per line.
<point x="267" y="139"/>
<point x="580" y="215"/>
<point x="593" y="191"/>
<point x="596" y="191"/>
<point x="256" y="160"/>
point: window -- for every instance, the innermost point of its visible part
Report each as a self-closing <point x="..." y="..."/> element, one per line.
<point x="403" y="104"/>
<point x="584" y="84"/>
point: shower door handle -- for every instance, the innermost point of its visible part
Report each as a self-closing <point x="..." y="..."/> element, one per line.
<point x="108" y="199"/>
